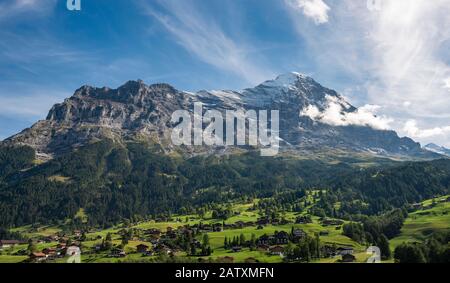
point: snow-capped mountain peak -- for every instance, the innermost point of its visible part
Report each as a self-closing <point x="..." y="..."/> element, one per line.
<point x="437" y="149"/>
<point x="286" y="80"/>
<point x="136" y="111"/>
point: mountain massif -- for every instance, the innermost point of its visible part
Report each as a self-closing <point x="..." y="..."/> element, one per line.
<point x="108" y="153"/>
<point x="136" y="111"/>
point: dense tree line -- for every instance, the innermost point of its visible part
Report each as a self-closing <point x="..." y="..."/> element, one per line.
<point x="384" y="189"/>
<point x="377" y="230"/>
<point x="305" y="250"/>
<point x="433" y="250"/>
<point x="113" y="182"/>
<point x="13" y="159"/>
<point x="8" y="235"/>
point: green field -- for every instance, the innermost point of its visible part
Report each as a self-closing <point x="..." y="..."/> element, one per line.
<point x="30" y="231"/>
<point x="12" y="259"/>
<point x="433" y="217"/>
<point x="422" y="223"/>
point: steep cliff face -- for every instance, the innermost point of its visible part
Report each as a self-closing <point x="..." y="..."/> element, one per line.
<point x="128" y="112"/>
<point x="139" y="111"/>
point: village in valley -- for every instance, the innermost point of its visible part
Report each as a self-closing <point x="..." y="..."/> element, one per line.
<point x="247" y="235"/>
<point x="189" y="241"/>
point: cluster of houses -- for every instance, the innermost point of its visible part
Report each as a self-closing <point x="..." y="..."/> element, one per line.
<point x="163" y="242"/>
<point x="60" y="251"/>
<point x="167" y="242"/>
<point x="282" y="237"/>
<point x="273" y="244"/>
<point x="327" y="251"/>
<point x="117" y="252"/>
<point x="218" y="227"/>
<point x="345" y="252"/>
<point x="278" y="238"/>
<point x="45" y="254"/>
<point x="304" y="219"/>
<point x="50" y="253"/>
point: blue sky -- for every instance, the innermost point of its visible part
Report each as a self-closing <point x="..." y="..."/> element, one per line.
<point x="392" y="54"/>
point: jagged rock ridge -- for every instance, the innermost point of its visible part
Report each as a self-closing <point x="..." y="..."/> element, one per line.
<point x="139" y="111"/>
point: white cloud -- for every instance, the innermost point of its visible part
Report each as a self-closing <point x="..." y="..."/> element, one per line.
<point x="406" y="104"/>
<point x="312" y="112"/>
<point x="334" y="115"/>
<point x="395" y="55"/>
<point x="406" y="38"/>
<point x="447" y="83"/>
<point x="414" y="131"/>
<point x="201" y="35"/>
<point x="12" y="8"/>
<point x="317" y="10"/>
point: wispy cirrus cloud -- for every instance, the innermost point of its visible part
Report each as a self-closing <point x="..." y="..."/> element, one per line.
<point x="317" y="10"/>
<point x="202" y="36"/>
<point x="11" y="8"/>
<point x="406" y="38"/>
<point x="394" y="56"/>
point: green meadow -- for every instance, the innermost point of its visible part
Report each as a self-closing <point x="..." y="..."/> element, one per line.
<point x="422" y="223"/>
<point x="433" y="217"/>
<point x="12" y="259"/>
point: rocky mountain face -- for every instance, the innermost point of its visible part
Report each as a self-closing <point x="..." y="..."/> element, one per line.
<point x="136" y="111"/>
<point x="437" y="149"/>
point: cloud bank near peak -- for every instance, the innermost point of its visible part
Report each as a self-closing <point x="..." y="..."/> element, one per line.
<point x="393" y="54"/>
<point x="334" y="114"/>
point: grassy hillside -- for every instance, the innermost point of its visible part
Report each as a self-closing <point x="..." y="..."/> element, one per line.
<point x="435" y="216"/>
<point x="105" y="182"/>
<point x="242" y="211"/>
